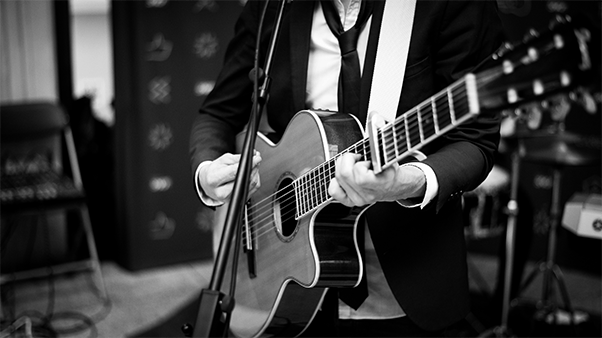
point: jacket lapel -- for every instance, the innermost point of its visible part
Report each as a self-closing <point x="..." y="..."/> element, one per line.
<point x="370" y="59"/>
<point x="300" y="35"/>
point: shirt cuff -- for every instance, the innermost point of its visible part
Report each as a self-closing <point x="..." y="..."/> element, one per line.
<point x="432" y="186"/>
<point x="208" y="201"/>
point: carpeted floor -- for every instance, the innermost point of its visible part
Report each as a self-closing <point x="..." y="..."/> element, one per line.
<point x="137" y="300"/>
<point x="158" y="301"/>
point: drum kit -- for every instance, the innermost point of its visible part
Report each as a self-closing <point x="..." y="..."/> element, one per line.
<point x="539" y="135"/>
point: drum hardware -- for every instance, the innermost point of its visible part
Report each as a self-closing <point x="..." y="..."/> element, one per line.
<point x="511" y="210"/>
<point x="552" y="145"/>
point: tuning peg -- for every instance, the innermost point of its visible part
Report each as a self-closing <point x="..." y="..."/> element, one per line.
<point x="532" y="33"/>
<point x="502" y="50"/>
<point x="584" y="98"/>
<point x="559" y="20"/>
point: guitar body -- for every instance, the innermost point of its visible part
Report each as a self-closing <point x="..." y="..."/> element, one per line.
<point x="281" y="282"/>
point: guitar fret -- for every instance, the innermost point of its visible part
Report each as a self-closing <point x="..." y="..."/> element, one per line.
<point x="365" y="150"/>
<point x="305" y="194"/>
<point x="395" y="147"/>
<point x="296" y="189"/>
<point x="301" y="197"/>
<point x="326" y="180"/>
<point x="331" y="172"/>
<point x="317" y="188"/>
<point x="434" y="110"/>
<point x="443" y="110"/>
<point x="415" y="139"/>
<point x="385" y="151"/>
<point x="464" y="105"/>
<point x="450" y="102"/>
<point x="310" y="190"/>
<point x="321" y="183"/>
<point x="420" y="131"/>
<point x="428" y="123"/>
<point x="407" y="132"/>
<point x="402" y="142"/>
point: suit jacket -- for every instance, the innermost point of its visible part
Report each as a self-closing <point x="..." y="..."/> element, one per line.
<point x="422" y="252"/>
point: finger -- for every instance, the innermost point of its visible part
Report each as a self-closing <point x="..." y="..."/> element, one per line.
<point x="228" y="159"/>
<point x="376" y="119"/>
<point x="344" y="173"/>
<point x="363" y="174"/>
<point x="219" y="174"/>
<point x="256" y="159"/>
<point x="336" y="191"/>
<point x="255" y="180"/>
<point x="223" y="192"/>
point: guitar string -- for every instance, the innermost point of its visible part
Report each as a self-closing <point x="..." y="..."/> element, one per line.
<point x="414" y="123"/>
<point x="266" y="208"/>
<point x="482" y="79"/>
<point x="266" y="215"/>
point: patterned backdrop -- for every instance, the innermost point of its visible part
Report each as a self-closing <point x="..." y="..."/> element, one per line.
<point x="167" y="55"/>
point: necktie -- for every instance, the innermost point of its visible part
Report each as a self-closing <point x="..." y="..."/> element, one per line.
<point x="348" y="102"/>
<point x="349" y="78"/>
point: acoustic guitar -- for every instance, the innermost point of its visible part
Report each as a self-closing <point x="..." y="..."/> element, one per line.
<point x="295" y="242"/>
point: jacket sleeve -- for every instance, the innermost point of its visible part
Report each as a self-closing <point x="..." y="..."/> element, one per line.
<point x="226" y="109"/>
<point x="469" y="32"/>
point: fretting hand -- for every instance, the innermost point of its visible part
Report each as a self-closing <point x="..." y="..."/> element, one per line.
<point x="355" y="184"/>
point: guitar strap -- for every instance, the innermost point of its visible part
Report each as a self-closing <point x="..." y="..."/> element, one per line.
<point x="391" y="57"/>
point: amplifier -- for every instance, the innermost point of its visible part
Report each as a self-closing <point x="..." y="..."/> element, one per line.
<point x="583" y="215"/>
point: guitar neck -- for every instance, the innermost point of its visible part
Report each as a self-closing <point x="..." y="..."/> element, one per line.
<point x="424" y="123"/>
<point x="395" y="141"/>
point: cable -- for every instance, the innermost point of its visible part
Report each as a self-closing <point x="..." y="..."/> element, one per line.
<point x="48" y="324"/>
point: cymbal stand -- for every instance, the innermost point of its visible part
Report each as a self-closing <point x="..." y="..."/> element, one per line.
<point x="549" y="268"/>
<point x="503" y="330"/>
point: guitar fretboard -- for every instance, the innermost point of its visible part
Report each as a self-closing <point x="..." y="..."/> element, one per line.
<point x="395" y="141"/>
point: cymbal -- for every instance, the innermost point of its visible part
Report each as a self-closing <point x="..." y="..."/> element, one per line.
<point x="563" y="148"/>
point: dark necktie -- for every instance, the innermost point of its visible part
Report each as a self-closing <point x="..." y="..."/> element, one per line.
<point x="349" y="101"/>
<point x="349" y="78"/>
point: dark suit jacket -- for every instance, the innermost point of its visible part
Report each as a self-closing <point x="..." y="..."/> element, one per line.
<point x="422" y="252"/>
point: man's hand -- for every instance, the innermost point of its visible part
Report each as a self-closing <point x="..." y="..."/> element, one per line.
<point x="355" y="184"/>
<point x="217" y="178"/>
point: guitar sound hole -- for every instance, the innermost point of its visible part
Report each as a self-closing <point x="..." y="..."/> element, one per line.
<point x="285" y="209"/>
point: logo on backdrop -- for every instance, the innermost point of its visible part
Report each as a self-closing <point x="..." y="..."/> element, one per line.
<point x="162" y="227"/>
<point x="160" y="183"/>
<point x="206" y="45"/>
<point x="160" y="90"/>
<point x="210" y="5"/>
<point x="156" y="3"/>
<point x="159" y="49"/>
<point x="160" y="136"/>
<point x="202" y="88"/>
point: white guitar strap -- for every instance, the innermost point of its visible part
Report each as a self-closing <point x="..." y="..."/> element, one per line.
<point x="391" y="57"/>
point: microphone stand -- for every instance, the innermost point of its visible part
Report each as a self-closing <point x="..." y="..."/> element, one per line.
<point x="215" y="307"/>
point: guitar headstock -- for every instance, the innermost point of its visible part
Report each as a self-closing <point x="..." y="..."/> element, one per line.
<point x="544" y="64"/>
